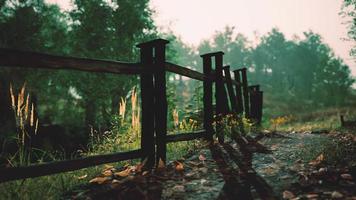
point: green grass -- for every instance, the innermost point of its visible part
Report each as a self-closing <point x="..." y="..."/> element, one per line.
<point x="46" y="187"/>
<point x="54" y="186"/>
<point x="327" y="119"/>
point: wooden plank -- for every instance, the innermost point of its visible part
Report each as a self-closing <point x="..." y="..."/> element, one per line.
<point x="183" y="71"/>
<point x="213" y="54"/>
<point x="147" y="108"/>
<point x="19" y="58"/>
<point x="220" y="96"/>
<point x="160" y="105"/>
<point x="254" y="88"/>
<point x="171" y="67"/>
<point x="255" y="103"/>
<point x="208" y="98"/>
<point x="245" y="92"/>
<point x="230" y="88"/>
<point x="259" y="104"/>
<point x="238" y="88"/>
<point x="14" y="173"/>
<point x="186" y="136"/>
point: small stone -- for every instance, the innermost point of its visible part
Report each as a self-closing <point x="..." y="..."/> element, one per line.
<point x="323" y="169"/>
<point x="179" y="188"/>
<point x="346" y="176"/>
<point x="312" y="196"/>
<point x="336" y="195"/>
<point x="288" y="195"/>
<point x="204" y="170"/>
<point x="204" y="182"/>
<point x="191" y="175"/>
<point x="285" y="177"/>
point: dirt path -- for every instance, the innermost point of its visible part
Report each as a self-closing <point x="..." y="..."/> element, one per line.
<point x="291" y="174"/>
<point x="287" y="171"/>
<point x="279" y="168"/>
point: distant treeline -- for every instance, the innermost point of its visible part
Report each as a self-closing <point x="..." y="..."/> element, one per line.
<point x="301" y="74"/>
<point x="297" y="74"/>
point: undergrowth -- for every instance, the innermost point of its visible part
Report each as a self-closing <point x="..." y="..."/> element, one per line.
<point x="327" y="119"/>
<point x="124" y="135"/>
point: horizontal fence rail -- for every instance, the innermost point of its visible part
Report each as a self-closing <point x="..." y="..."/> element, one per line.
<point x="171" y="67"/>
<point x="19" y="58"/>
<point x="13" y="173"/>
<point x="183" y="71"/>
<point x="186" y="136"/>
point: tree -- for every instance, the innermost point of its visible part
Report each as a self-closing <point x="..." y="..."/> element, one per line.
<point x="29" y="25"/>
<point x="107" y="31"/>
<point x="349" y="11"/>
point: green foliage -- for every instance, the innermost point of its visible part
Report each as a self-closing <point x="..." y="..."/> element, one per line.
<point x="349" y="12"/>
<point x="299" y="74"/>
<point x="94" y="29"/>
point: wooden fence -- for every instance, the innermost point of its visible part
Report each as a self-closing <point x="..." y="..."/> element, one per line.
<point x="231" y="96"/>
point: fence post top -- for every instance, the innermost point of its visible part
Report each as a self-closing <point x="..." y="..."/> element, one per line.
<point x="218" y="53"/>
<point x="241" y="69"/>
<point x="226" y="67"/>
<point x="153" y="43"/>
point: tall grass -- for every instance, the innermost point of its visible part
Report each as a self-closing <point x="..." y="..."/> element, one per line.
<point x="327" y="119"/>
<point x="26" y="125"/>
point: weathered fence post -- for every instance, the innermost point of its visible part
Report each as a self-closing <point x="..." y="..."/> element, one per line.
<point x="161" y="106"/>
<point x="245" y="92"/>
<point x="208" y="96"/>
<point x="240" y="107"/>
<point x="221" y="95"/>
<point x="256" y="101"/>
<point x="230" y="89"/>
<point x="147" y="105"/>
<point x="154" y="100"/>
<point x="222" y="106"/>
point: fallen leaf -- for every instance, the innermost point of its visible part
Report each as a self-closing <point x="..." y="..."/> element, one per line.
<point x="139" y="167"/>
<point x="190" y="175"/>
<point x="178" y="188"/>
<point x="179" y="166"/>
<point x="318" y="160"/>
<point x="288" y="195"/>
<point x="82" y="177"/>
<point x="193" y="163"/>
<point x="115" y="181"/>
<point x="274" y="147"/>
<point x="285" y="177"/>
<point x="336" y="195"/>
<point x="204" y="170"/>
<point x="270" y="170"/>
<point x="203" y="182"/>
<point x="312" y="196"/>
<point x="297" y="167"/>
<point x="202" y="157"/>
<point x="108" y="167"/>
<point x="161" y="164"/>
<point x="346" y="176"/>
<point x="107" y="172"/>
<point x="99" y="180"/>
<point x="124" y="173"/>
<point x="144" y="173"/>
